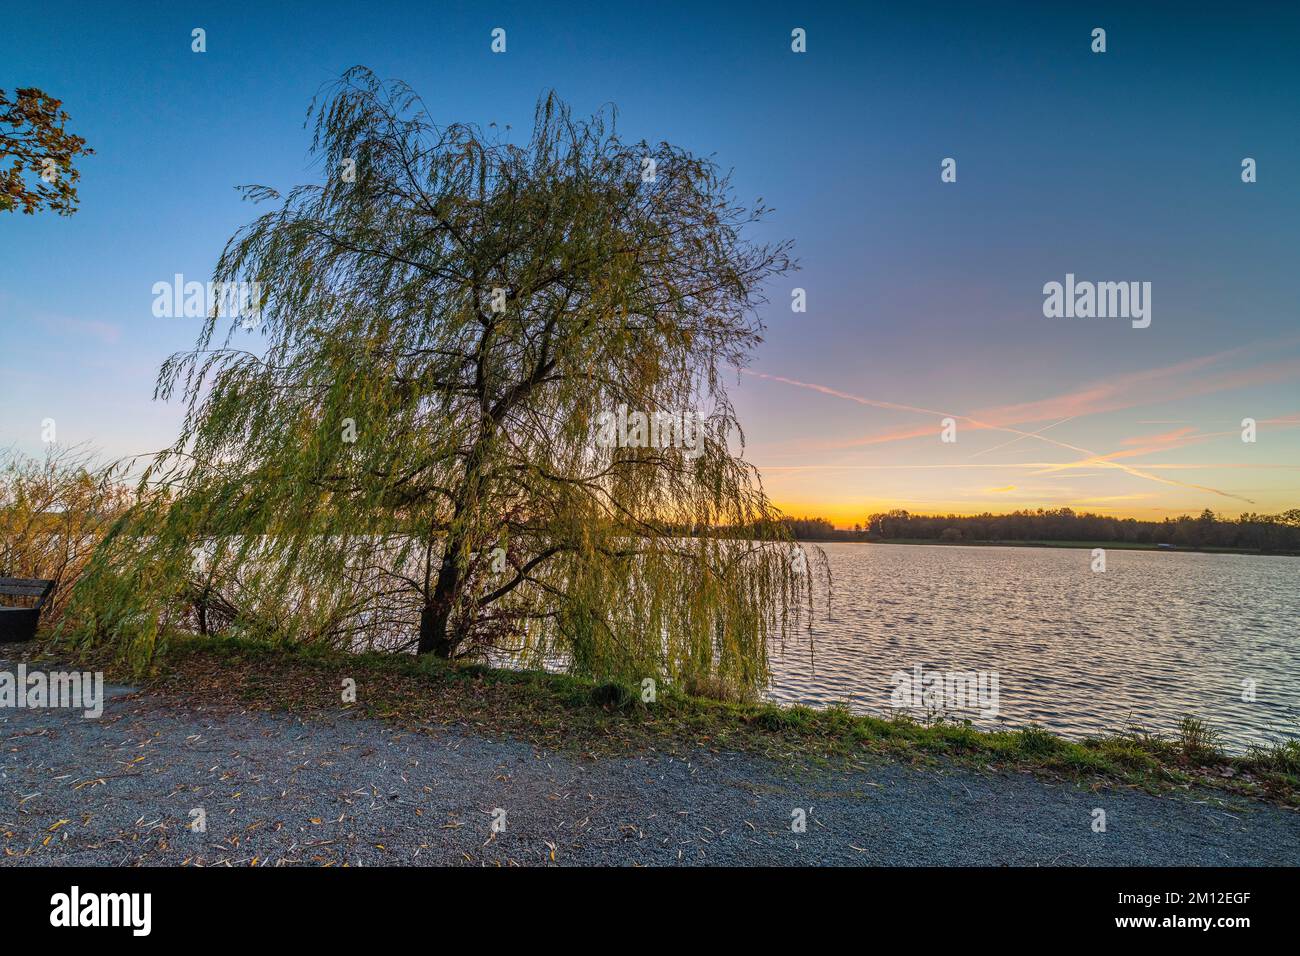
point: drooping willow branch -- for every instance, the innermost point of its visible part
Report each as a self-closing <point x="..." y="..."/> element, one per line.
<point x="439" y="334"/>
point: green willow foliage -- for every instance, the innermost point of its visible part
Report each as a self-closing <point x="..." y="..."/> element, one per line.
<point x="473" y="515"/>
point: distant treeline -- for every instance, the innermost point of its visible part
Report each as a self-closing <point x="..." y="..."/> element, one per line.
<point x="1252" y="531"/>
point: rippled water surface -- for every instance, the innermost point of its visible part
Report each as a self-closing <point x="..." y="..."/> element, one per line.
<point x="1156" y="636"/>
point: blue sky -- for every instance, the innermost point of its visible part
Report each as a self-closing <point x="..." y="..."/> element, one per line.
<point x="1115" y="167"/>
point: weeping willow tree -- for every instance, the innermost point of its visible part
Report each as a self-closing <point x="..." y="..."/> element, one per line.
<point x="402" y="451"/>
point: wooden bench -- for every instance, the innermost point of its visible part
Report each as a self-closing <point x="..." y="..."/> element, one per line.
<point x="19" y="623"/>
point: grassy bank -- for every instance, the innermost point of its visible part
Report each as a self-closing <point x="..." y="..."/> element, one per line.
<point x="578" y="716"/>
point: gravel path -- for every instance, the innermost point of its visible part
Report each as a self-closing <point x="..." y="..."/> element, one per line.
<point x="279" y="789"/>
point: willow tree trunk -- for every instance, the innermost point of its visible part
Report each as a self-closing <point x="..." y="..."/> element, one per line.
<point x="436" y="636"/>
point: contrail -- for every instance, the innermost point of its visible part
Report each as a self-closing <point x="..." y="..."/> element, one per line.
<point x="1093" y="458"/>
<point x="1023" y="437"/>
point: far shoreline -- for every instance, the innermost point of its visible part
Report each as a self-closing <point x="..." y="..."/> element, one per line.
<point x="1084" y="545"/>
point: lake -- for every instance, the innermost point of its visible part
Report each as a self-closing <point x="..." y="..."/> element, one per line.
<point x="1155" y="636"/>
